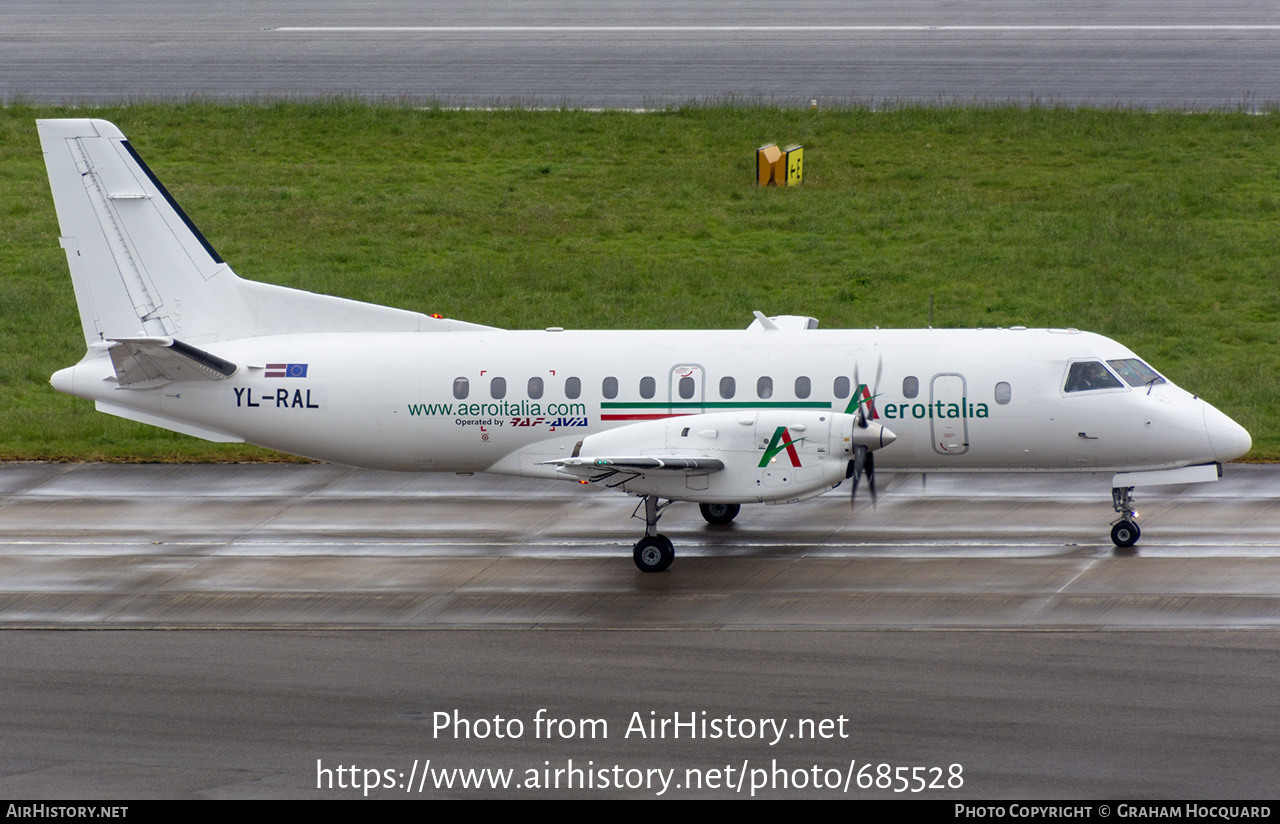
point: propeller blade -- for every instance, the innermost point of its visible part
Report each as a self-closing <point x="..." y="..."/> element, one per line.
<point x="864" y="460"/>
<point x="862" y="417"/>
<point x="862" y="404"/>
<point x="856" y="467"/>
<point x="871" y="477"/>
<point x="874" y="393"/>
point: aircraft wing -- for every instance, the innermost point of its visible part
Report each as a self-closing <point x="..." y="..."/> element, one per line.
<point x="144" y="362"/>
<point x="599" y="467"/>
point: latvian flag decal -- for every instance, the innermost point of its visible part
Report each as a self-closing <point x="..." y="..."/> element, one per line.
<point x="286" y="370"/>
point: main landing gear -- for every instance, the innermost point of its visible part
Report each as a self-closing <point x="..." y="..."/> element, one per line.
<point x="653" y="552"/>
<point x="719" y="514"/>
<point x="1124" y="532"/>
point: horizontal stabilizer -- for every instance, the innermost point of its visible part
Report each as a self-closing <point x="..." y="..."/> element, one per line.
<point x="142" y="363"/>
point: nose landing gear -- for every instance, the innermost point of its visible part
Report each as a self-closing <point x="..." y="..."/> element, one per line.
<point x="1124" y="532"/>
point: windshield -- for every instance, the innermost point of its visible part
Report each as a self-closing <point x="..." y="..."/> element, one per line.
<point x="1135" y="372"/>
<point x="1087" y="375"/>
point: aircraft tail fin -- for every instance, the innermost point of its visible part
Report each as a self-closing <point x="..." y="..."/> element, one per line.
<point x="141" y="268"/>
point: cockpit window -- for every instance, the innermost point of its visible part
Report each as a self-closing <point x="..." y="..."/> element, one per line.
<point x="1135" y="372"/>
<point x="1088" y="375"/>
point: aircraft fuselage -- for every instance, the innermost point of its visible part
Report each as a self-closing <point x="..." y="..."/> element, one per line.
<point x="505" y="401"/>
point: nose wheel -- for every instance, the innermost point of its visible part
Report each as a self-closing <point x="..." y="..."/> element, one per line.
<point x="1125" y="532"/>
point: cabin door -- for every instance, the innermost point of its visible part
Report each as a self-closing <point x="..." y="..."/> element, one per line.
<point x="949" y="417"/>
<point x="686" y="389"/>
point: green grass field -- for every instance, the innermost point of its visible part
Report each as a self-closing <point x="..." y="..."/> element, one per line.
<point x="1157" y="229"/>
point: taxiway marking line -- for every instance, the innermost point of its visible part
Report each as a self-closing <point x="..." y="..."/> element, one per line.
<point x="832" y="28"/>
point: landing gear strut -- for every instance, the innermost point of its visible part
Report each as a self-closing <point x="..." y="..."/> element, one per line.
<point x="719" y="514"/>
<point x="1124" y="532"/>
<point x="653" y="552"/>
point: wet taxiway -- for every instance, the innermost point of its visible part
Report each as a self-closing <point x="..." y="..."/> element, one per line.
<point x="326" y="546"/>
<point x="300" y="618"/>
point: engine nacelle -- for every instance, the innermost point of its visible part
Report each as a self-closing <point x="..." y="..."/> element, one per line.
<point x="769" y="456"/>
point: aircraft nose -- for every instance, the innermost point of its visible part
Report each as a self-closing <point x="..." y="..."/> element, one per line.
<point x="1229" y="439"/>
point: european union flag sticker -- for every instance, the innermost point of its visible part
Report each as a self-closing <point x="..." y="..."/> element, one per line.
<point x="286" y="370"/>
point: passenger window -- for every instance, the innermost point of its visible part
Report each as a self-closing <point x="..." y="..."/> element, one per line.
<point x="648" y="388"/>
<point x="573" y="388"/>
<point x="764" y="388"/>
<point x="1004" y="392"/>
<point x="685" y="387"/>
<point x="609" y="388"/>
<point x="910" y="386"/>
<point x="535" y="388"/>
<point x="841" y="387"/>
<point x="461" y="388"/>
<point x="498" y="388"/>
<point x="1089" y="375"/>
<point x="728" y="386"/>
<point x="803" y="387"/>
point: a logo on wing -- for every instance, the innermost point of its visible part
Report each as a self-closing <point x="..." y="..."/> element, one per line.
<point x="781" y="441"/>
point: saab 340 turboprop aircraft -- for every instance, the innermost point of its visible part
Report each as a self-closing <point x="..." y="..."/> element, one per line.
<point x="774" y="413"/>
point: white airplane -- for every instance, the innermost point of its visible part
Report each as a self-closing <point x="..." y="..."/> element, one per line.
<point x="778" y="412"/>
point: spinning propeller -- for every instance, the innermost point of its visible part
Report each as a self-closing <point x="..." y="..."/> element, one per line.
<point x="863" y="463"/>
<point x="864" y="460"/>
